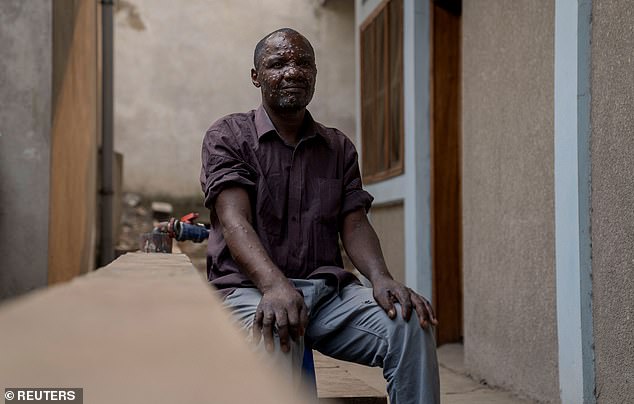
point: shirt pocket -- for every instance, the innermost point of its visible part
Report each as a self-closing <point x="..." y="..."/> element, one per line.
<point x="330" y="196"/>
<point x="270" y="207"/>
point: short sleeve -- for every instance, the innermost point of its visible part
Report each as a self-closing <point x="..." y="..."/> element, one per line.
<point x="355" y="196"/>
<point x="223" y="166"/>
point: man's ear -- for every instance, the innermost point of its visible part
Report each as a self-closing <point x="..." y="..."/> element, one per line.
<point x="254" y="78"/>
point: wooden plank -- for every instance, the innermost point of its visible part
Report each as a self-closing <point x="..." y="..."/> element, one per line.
<point x="147" y="328"/>
<point x="73" y="186"/>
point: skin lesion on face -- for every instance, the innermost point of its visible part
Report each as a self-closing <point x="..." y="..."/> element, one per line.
<point x="286" y="72"/>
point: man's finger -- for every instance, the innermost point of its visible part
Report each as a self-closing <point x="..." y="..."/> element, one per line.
<point x="267" y="331"/>
<point x="293" y="322"/>
<point x="281" y="320"/>
<point x="257" y="327"/>
<point x="421" y="311"/>
<point x="430" y="310"/>
<point x="386" y="302"/>
<point x="303" y="320"/>
<point x="405" y="300"/>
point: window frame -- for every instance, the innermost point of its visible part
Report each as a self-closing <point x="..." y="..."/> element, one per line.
<point x="390" y="168"/>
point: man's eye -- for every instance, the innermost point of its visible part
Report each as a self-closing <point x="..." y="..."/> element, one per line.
<point x="276" y="65"/>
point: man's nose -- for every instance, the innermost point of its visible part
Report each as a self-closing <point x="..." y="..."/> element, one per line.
<point x="292" y="71"/>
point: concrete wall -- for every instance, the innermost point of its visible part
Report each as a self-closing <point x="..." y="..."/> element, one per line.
<point x="144" y="314"/>
<point x="510" y="334"/>
<point x="388" y="222"/>
<point x="612" y="146"/>
<point x="180" y="66"/>
<point x="25" y="121"/>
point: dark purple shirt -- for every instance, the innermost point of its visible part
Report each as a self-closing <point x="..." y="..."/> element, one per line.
<point x="299" y="195"/>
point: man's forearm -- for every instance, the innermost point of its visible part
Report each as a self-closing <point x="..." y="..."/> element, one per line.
<point x="363" y="247"/>
<point x="233" y="211"/>
<point x="281" y="306"/>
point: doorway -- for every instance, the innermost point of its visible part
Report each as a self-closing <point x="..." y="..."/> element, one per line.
<point x="446" y="215"/>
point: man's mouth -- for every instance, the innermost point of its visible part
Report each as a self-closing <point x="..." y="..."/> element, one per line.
<point x="294" y="86"/>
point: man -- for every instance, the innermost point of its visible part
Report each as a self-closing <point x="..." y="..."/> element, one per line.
<point x="282" y="189"/>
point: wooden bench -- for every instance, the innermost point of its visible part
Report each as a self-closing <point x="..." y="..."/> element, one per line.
<point x="146" y="328"/>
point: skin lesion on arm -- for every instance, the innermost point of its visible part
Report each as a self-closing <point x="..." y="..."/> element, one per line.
<point x="281" y="306"/>
<point x="362" y="246"/>
<point x="233" y="209"/>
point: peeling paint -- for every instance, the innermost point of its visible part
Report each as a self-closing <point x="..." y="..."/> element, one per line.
<point x="133" y="17"/>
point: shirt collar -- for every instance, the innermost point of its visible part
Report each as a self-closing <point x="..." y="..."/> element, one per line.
<point x="263" y="125"/>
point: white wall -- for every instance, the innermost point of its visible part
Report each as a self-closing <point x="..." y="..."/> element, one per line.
<point x="179" y="66"/>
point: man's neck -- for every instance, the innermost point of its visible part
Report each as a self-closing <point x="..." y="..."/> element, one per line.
<point x="287" y="124"/>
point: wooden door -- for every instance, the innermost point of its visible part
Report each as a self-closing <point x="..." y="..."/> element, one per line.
<point x="445" y="169"/>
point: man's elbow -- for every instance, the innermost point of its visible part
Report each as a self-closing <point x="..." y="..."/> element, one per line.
<point x="233" y="208"/>
<point x="233" y="226"/>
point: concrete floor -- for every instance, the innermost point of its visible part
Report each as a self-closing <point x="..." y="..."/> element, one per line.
<point x="455" y="386"/>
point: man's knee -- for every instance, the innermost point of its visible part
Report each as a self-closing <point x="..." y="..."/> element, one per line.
<point x="410" y="330"/>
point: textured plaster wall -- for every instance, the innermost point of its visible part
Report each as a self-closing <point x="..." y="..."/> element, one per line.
<point x="25" y="123"/>
<point x="510" y="336"/>
<point x="388" y="222"/>
<point x="612" y="146"/>
<point x="179" y="66"/>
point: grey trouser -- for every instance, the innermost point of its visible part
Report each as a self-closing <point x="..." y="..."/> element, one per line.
<point x="351" y="326"/>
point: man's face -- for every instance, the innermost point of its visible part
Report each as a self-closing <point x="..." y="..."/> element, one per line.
<point x="286" y="72"/>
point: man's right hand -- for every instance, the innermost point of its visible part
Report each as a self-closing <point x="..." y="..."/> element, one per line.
<point x="282" y="307"/>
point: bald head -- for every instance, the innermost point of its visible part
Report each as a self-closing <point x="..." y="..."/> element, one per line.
<point x="259" y="48"/>
<point x="284" y="70"/>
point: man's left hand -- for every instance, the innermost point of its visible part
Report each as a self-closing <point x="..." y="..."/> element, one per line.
<point x="387" y="291"/>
